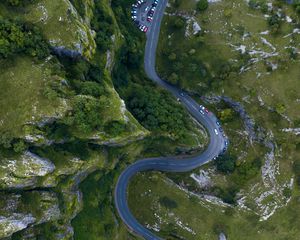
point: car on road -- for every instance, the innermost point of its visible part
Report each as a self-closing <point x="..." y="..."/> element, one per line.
<point x="155" y="3"/>
<point x="140" y="2"/>
<point x="216" y="131"/>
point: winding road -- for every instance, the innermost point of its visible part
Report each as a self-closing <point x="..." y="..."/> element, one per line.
<point x="164" y="164"/>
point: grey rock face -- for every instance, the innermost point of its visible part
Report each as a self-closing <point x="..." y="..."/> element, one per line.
<point x="19" y="211"/>
<point x="23" y="172"/>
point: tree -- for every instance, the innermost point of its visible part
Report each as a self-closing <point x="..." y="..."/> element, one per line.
<point x="226" y="163"/>
<point x="226" y="115"/>
<point x="172" y="56"/>
<point x="86" y="114"/>
<point x="157" y="111"/>
<point x="280" y="108"/>
<point x="167" y="202"/>
<point x="115" y="128"/>
<point x="18" y="38"/>
<point x="202" y="5"/>
<point x="173" y="78"/>
<point x="177" y="3"/>
<point x="179" y="22"/>
<point x="16" y="3"/>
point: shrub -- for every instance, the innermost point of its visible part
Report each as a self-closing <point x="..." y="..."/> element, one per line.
<point x="167" y="202"/>
<point x="226" y="163"/>
<point x="202" y="5"/>
<point x="115" y="128"/>
<point x="86" y="114"/>
<point x="21" y="38"/>
<point x="16" y="3"/>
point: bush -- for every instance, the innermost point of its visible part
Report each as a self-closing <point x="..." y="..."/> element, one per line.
<point x="115" y="128"/>
<point x="248" y="170"/>
<point x="102" y="23"/>
<point x="179" y="22"/>
<point x="91" y="88"/>
<point x="226" y="163"/>
<point x="167" y="202"/>
<point x="16" y="3"/>
<point x="86" y="114"/>
<point x="202" y="5"/>
<point x="21" y="38"/>
<point x="226" y="115"/>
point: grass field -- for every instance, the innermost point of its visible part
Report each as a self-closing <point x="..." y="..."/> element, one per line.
<point x="193" y="218"/>
<point x="23" y="90"/>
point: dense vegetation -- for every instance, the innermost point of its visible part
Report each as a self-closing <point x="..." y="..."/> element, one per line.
<point x="157" y="112"/>
<point x="102" y="24"/>
<point x="21" y="38"/>
<point x="202" y="5"/>
<point x="18" y="2"/>
<point x="155" y="109"/>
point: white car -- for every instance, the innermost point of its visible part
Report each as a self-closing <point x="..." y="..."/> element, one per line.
<point x="216" y="132"/>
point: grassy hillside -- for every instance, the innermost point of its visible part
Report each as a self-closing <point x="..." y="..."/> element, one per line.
<point x="62" y="119"/>
<point x="241" y="60"/>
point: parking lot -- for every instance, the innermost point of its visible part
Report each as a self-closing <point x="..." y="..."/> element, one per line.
<point x="142" y="13"/>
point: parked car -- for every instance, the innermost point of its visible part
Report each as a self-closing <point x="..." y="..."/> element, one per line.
<point x="216" y="132"/>
<point x="145" y="29"/>
<point x="149" y="19"/>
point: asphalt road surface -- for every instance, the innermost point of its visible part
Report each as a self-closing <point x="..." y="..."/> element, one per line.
<point x="165" y="164"/>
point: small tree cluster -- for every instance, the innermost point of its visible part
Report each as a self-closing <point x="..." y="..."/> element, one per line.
<point x="202" y="5"/>
<point x="21" y="38"/>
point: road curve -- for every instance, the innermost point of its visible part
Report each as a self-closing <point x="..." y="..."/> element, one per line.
<point x="164" y="164"/>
